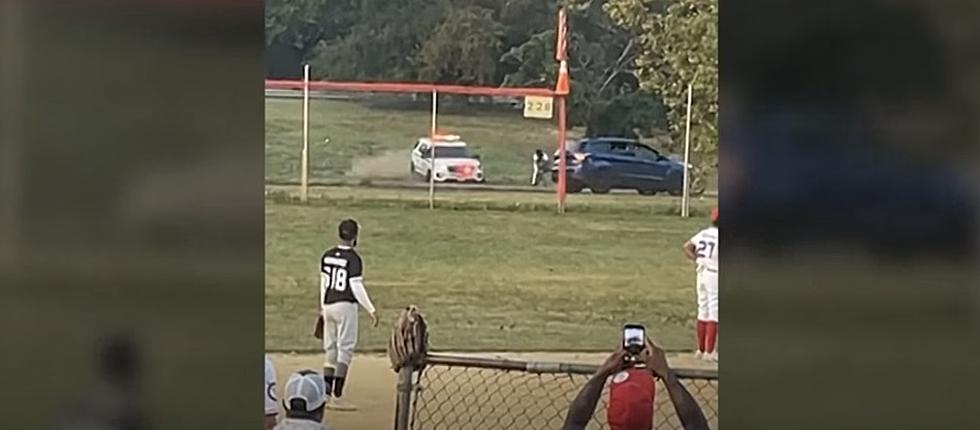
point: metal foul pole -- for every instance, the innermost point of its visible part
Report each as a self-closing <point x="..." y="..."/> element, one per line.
<point x="686" y="196"/>
<point x="432" y="151"/>
<point x="305" y="158"/>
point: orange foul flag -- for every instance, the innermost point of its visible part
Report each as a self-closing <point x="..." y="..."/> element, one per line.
<point x="561" y="45"/>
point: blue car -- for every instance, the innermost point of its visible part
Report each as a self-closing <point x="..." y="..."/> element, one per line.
<point x="605" y="163"/>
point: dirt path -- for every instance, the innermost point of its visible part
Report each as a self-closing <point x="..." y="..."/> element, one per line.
<point x="372" y="382"/>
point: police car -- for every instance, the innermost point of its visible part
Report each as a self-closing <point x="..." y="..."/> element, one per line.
<point x="453" y="160"/>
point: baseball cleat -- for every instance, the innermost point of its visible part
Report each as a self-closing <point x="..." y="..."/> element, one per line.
<point x="698" y="355"/>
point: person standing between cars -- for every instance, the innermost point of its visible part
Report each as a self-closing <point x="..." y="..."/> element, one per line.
<point x="703" y="250"/>
<point x="539" y="165"/>
<point x="341" y="290"/>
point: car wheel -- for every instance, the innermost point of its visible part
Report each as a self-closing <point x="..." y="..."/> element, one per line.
<point x="573" y="187"/>
<point x="428" y="175"/>
<point x="648" y="192"/>
<point x="599" y="189"/>
<point x="676" y="192"/>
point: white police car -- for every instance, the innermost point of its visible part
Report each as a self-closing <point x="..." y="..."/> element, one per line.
<point x="453" y="160"/>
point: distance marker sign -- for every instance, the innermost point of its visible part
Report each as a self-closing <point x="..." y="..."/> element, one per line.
<point x="538" y="107"/>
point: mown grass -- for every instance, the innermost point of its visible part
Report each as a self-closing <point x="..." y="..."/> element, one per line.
<point x="504" y="139"/>
<point x="489" y="276"/>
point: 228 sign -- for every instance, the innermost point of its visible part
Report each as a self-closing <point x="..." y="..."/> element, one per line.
<point x="538" y="107"/>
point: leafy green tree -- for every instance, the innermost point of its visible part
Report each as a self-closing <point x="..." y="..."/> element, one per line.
<point x="679" y="46"/>
<point x="606" y="96"/>
<point x="484" y="42"/>
<point x="464" y="47"/>
<point x="378" y="40"/>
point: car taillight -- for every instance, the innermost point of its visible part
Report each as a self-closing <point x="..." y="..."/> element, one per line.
<point x="580" y="157"/>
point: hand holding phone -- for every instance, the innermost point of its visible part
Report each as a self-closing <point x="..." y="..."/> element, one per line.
<point x="634" y="338"/>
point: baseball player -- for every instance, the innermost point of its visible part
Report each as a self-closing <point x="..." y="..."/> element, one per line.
<point x="703" y="250"/>
<point x="271" y="401"/>
<point x="341" y="290"/>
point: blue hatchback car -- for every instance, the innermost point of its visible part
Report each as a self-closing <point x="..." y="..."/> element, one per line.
<point x="605" y="163"/>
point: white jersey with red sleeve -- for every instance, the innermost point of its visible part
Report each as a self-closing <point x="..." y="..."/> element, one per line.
<point x="706" y="248"/>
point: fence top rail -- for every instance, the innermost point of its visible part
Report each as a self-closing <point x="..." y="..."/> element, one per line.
<point x="408" y="87"/>
<point x="544" y="366"/>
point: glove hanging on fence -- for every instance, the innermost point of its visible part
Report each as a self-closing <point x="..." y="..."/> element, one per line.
<point x="409" y="341"/>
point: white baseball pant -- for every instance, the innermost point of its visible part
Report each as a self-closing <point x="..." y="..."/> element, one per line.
<point x="339" y="333"/>
<point x="707" y="295"/>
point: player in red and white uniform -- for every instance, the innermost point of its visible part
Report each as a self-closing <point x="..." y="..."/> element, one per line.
<point x="703" y="250"/>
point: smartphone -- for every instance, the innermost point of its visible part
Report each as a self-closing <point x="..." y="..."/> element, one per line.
<point x="634" y="338"/>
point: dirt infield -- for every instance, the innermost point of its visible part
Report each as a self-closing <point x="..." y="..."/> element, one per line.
<point x="372" y="383"/>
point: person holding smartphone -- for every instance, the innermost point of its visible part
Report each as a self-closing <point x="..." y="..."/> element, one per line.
<point x="631" y="393"/>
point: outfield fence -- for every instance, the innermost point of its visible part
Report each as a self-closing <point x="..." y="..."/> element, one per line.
<point x="446" y="392"/>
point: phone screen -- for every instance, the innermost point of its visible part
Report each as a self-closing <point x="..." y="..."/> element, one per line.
<point x="634" y="336"/>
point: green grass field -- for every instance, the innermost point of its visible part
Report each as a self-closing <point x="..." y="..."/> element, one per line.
<point x="491" y="271"/>
<point x="504" y="139"/>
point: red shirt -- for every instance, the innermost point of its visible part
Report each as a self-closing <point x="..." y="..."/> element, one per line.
<point x="631" y="396"/>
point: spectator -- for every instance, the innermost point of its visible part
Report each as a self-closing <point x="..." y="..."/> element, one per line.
<point x="271" y="399"/>
<point x="304" y="398"/>
<point x="631" y="394"/>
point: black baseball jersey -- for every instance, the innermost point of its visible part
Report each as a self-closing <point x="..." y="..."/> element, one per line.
<point x="338" y="266"/>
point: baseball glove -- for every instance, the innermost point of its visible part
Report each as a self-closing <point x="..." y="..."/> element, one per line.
<point x="409" y="340"/>
<point x="318" y="328"/>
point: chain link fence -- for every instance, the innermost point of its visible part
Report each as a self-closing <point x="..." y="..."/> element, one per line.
<point x="452" y="392"/>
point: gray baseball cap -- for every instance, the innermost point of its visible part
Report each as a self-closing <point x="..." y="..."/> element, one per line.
<point x="308" y="386"/>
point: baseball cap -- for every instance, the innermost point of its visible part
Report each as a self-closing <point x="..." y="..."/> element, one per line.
<point x="308" y="386"/>
<point x="631" y="395"/>
<point x="347" y="229"/>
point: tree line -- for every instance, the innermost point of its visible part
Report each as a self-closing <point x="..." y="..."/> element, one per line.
<point x="630" y="61"/>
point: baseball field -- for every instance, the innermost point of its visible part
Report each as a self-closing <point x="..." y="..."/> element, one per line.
<point x="494" y="272"/>
<point x="490" y="270"/>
